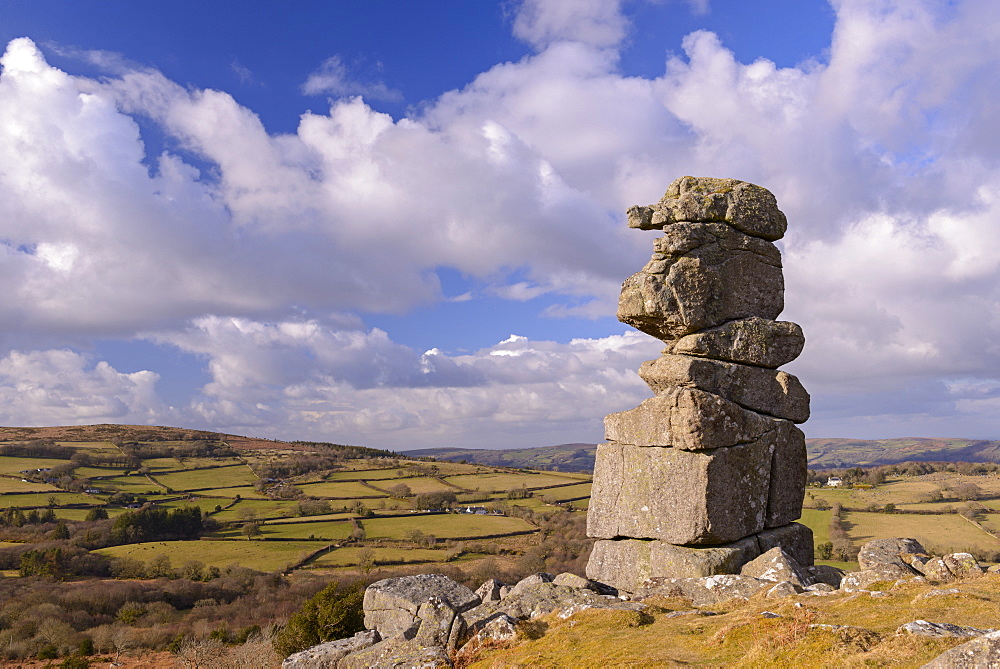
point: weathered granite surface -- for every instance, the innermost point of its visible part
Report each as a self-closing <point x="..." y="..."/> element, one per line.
<point x="758" y="389"/>
<point x="700" y="276"/>
<point x="746" y="206"/>
<point x="683" y="497"/>
<point x="749" y="341"/>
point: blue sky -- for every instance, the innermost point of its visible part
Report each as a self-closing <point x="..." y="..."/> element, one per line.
<point x="401" y="224"/>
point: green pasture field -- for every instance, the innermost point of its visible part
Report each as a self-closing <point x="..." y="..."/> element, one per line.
<point x="417" y="485"/>
<point x="264" y="508"/>
<point x="819" y="522"/>
<point x="497" y="482"/>
<point x="307" y="519"/>
<point x="206" y="504"/>
<point x="568" y="492"/>
<point x="162" y="464"/>
<point x="42" y="499"/>
<point x="244" y="491"/>
<point x="364" y="475"/>
<point x="443" y="526"/>
<point x="81" y="514"/>
<point x="96" y="472"/>
<point x="232" y="475"/>
<point x="259" y="555"/>
<point x="14" y="465"/>
<point x="581" y="504"/>
<point x="327" y="531"/>
<point x="134" y="483"/>
<point x="341" y="490"/>
<point x="90" y="446"/>
<point x="937" y="533"/>
<point x="943" y="507"/>
<point x="17" y="485"/>
<point x="348" y="557"/>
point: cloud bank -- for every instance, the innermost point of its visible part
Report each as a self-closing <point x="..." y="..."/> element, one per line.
<point x="262" y="253"/>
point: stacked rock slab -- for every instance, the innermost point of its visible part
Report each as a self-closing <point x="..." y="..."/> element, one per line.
<point x="710" y="472"/>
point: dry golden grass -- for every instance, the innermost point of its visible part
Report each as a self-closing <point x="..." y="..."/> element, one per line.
<point x="738" y="636"/>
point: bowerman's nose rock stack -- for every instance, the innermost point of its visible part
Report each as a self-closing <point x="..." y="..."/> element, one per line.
<point x="710" y="472"/>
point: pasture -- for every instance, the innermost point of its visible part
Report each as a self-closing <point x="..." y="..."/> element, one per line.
<point x="348" y="556"/>
<point x="259" y="555"/>
<point x="216" y="477"/>
<point x="15" y="465"/>
<point x="326" y="531"/>
<point x="417" y="485"/>
<point x="43" y="499"/>
<point x="443" y="526"/>
<point x="15" y="485"/>
<point x="341" y="490"/>
<point x="947" y="532"/>
<point x="504" y="481"/>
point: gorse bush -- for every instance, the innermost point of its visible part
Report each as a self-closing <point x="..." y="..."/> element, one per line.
<point x="333" y="613"/>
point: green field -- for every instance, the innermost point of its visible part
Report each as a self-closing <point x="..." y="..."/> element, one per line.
<point x="364" y="475"/>
<point x="259" y="555"/>
<point x="329" y="531"/>
<point x="15" y="465"/>
<point x="417" y="485"/>
<point x="81" y="514"/>
<point x="244" y="491"/>
<point x="263" y="508"/>
<point x="346" y="557"/>
<point x="217" y="477"/>
<point x="443" y="526"/>
<point x="97" y="472"/>
<point x="566" y="492"/>
<point x="42" y="499"/>
<point x="17" y="485"/>
<point x="134" y="483"/>
<point x="310" y="519"/>
<point x="341" y="490"/>
<point x="91" y="446"/>
<point x="498" y="482"/>
<point x="818" y="522"/>
<point x="939" y="532"/>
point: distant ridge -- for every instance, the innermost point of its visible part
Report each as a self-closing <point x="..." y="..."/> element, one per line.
<point x="577" y="457"/>
<point x="823" y="453"/>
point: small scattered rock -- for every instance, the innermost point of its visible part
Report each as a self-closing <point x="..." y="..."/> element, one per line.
<point x="768" y="614"/>
<point x="703" y="591"/>
<point x="776" y="566"/>
<point x="329" y="653"/>
<point x="889" y="551"/>
<point x="824" y="573"/>
<point x="939" y="630"/>
<point x="937" y="593"/>
<point x="820" y="588"/>
<point x="783" y="589"/>
<point x="962" y="565"/>
<point x="885" y="571"/>
<point x="490" y="591"/>
<point x="980" y="653"/>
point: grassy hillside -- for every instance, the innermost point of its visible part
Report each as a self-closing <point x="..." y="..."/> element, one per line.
<point x="735" y="634"/>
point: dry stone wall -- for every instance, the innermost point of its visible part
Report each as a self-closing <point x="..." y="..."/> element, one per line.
<point x="710" y="472"/>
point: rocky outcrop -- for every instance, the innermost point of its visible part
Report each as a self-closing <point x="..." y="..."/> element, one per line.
<point x="448" y="625"/>
<point x="690" y="481"/>
<point x="426" y="620"/>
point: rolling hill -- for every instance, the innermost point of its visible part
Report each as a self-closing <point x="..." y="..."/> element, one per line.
<point x="823" y="453"/>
